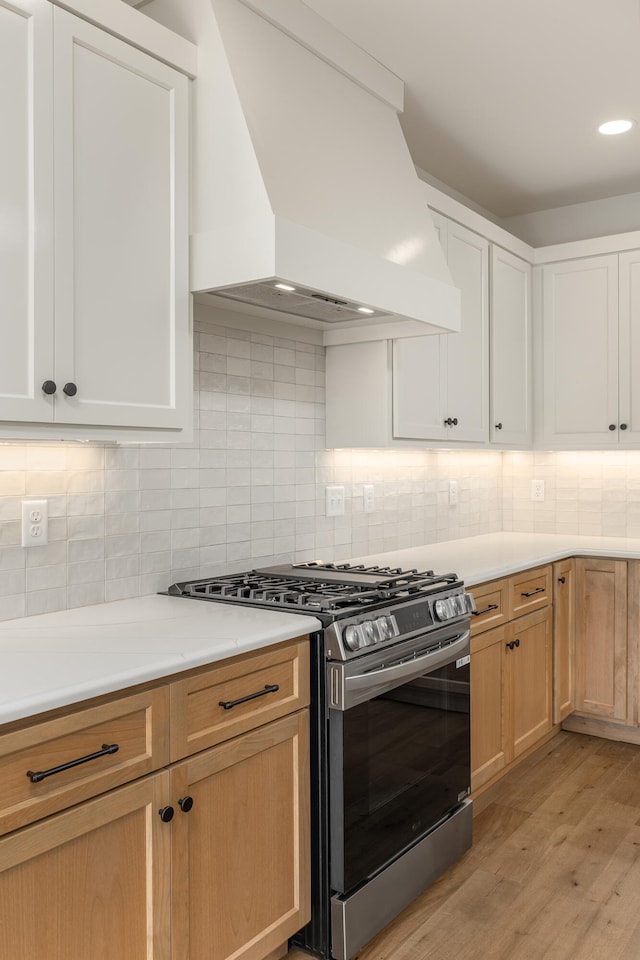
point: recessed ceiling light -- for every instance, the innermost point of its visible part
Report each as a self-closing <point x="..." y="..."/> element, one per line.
<point x="611" y="127"/>
<point x="284" y="286"/>
<point x="365" y="310"/>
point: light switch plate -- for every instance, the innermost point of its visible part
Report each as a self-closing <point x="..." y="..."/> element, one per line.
<point x="334" y="501"/>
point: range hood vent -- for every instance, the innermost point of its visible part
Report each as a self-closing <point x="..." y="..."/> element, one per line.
<point x="302" y="177"/>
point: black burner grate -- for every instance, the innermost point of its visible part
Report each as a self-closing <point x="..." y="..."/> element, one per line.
<point x="331" y="588"/>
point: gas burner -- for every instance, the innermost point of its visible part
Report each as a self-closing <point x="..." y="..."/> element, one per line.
<point x="329" y="590"/>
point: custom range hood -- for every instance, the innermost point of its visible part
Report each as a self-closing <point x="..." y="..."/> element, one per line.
<point x="306" y="200"/>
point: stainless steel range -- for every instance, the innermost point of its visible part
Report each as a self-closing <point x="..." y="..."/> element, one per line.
<point x="390" y="734"/>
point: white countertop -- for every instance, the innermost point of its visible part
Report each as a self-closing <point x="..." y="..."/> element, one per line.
<point x="493" y="555"/>
<point x="61" y="658"/>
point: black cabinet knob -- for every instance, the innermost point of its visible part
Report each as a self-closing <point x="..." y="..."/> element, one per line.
<point x="517" y="643"/>
<point x="449" y="422"/>
<point x="185" y="804"/>
<point x="498" y="426"/>
<point x="49" y="387"/>
<point x="612" y="426"/>
<point x="561" y="579"/>
<point x="166" y="814"/>
<point x="623" y="426"/>
<point x="70" y="389"/>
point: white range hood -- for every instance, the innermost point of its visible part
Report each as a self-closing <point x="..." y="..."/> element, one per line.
<point x="302" y="177"/>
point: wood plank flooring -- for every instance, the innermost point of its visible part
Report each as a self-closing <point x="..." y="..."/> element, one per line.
<point x="554" y="871"/>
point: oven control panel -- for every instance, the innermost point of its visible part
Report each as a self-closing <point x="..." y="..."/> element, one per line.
<point x="356" y="635"/>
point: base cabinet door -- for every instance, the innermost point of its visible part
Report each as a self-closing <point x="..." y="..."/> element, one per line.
<point x="240" y="844"/>
<point x="564" y="629"/>
<point x="91" y="883"/>
<point x="528" y="650"/>
<point x="488" y="731"/>
<point x="601" y="639"/>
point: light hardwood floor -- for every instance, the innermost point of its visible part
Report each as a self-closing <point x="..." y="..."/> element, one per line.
<point x="554" y="871"/>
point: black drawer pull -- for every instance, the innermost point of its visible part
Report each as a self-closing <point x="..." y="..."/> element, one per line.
<point x="532" y="593"/>
<point x="478" y="613"/>
<point x="227" y="704"/>
<point x="106" y="749"/>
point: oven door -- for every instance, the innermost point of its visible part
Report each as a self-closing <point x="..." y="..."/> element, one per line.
<point x="399" y="750"/>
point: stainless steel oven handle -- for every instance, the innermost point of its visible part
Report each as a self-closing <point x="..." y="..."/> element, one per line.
<point x="365" y="686"/>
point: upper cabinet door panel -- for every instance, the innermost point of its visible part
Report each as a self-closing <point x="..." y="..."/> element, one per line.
<point x="120" y="152"/>
<point x="468" y="351"/>
<point x="26" y="209"/>
<point x="419" y="388"/>
<point x="580" y="308"/>
<point x="629" y="368"/>
<point x="510" y="334"/>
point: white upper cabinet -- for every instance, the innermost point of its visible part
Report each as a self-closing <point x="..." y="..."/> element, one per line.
<point x="591" y="351"/>
<point x="442" y="391"/>
<point x="629" y="339"/>
<point x="26" y="208"/>
<point x="511" y="346"/>
<point x="95" y="280"/>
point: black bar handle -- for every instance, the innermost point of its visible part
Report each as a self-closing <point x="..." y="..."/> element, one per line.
<point x="42" y="774"/>
<point x="227" y="704"/>
<point x="532" y="593"/>
<point x="478" y="613"/>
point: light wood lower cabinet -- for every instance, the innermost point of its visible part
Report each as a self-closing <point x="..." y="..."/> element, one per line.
<point x="241" y="853"/>
<point x="564" y="631"/>
<point x="91" y="883"/>
<point x="602" y="639"/>
<point x="204" y="859"/>
<point x="511" y="702"/>
<point x="528" y="654"/>
<point x="488" y="714"/>
<point x="511" y="670"/>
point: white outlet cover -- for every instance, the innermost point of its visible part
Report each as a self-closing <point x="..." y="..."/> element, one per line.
<point x="35" y="523"/>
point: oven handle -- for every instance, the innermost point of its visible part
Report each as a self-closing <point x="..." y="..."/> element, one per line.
<point x="347" y="691"/>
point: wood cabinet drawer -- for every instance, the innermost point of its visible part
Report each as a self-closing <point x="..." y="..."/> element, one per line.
<point x="491" y="601"/>
<point x="236" y="696"/>
<point x="530" y="590"/>
<point x="48" y="766"/>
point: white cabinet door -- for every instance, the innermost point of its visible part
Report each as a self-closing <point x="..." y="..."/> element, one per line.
<point x="26" y="209"/>
<point x="510" y="337"/>
<point x="440" y="385"/>
<point x="468" y="351"/>
<point x="580" y="333"/>
<point x="121" y="233"/>
<point x="629" y="366"/>
<point x="419" y="388"/>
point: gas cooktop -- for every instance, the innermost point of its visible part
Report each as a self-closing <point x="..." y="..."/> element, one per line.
<point x="330" y="589"/>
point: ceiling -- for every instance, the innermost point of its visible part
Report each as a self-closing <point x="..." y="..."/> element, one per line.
<point x="503" y="98"/>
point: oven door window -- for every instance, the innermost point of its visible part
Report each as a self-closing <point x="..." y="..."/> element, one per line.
<point x="399" y="764"/>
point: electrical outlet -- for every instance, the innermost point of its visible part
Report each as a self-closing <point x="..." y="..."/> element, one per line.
<point x="537" y="489"/>
<point x="334" y="500"/>
<point x="453" y="492"/>
<point x="35" y="523"/>
<point x="369" y="497"/>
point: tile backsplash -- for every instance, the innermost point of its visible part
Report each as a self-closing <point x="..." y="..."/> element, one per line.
<point x="129" y="520"/>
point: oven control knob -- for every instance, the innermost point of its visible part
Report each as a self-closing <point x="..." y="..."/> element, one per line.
<point x="370" y="633"/>
<point x="442" y="609"/>
<point x="353" y="638"/>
